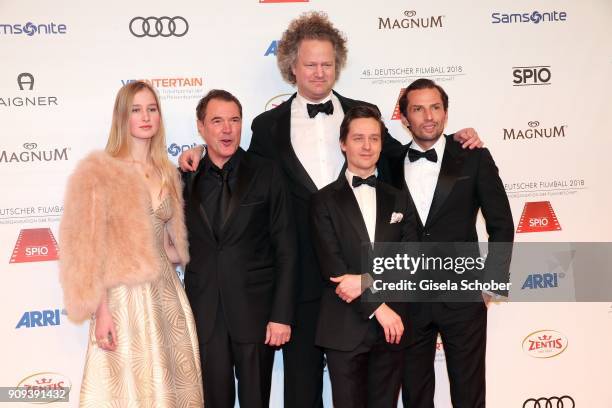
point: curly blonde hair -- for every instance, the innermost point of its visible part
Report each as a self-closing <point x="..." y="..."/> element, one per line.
<point x="312" y="25"/>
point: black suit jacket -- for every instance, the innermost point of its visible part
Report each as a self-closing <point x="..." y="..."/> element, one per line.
<point x="251" y="268"/>
<point x="272" y="139"/>
<point x="469" y="181"/>
<point x="340" y="238"/>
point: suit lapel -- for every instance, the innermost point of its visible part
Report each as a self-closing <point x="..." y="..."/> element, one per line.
<point x="281" y="129"/>
<point x="195" y="199"/>
<point x="452" y="161"/>
<point x="244" y="179"/>
<point x="385" y="203"/>
<point x="398" y="174"/>
<point x="348" y="204"/>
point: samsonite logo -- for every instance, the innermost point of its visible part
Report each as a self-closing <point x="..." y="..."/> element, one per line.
<point x="545" y="344"/>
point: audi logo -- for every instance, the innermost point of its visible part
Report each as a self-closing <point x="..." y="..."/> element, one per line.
<point x="533" y="123"/>
<point x="158" y="26"/>
<point x="552" y="402"/>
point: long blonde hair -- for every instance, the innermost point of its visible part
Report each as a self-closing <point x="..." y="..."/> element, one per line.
<point x="118" y="139"/>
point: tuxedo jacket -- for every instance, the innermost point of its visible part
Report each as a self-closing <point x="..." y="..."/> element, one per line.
<point x="272" y="139"/>
<point x="468" y="181"/>
<point x="340" y="237"/>
<point x="251" y="268"/>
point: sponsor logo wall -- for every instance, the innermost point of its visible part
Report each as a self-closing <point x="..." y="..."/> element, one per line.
<point x="533" y="80"/>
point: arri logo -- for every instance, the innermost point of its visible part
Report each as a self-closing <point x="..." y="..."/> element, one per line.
<point x="542" y="280"/>
<point x="538" y="216"/>
<point x="35" y="245"/>
<point x="40" y="318"/>
<point x="534" y="17"/>
<point x="533" y="131"/>
<point x="545" y="344"/>
<point x="531" y="76"/>
<point x="30" y="29"/>
<point x="272" y="48"/>
<point x="410" y="20"/>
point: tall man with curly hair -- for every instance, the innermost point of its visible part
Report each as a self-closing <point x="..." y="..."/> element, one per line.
<point x="301" y="134"/>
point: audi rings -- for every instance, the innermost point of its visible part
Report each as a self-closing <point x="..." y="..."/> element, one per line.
<point x="158" y="26"/>
<point x="553" y="402"/>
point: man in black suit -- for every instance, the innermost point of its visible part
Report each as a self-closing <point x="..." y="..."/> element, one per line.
<point x="241" y="277"/>
<point x="363" y="340"/>
<point x="447" y="187"/>
<point x="301" y="135"/>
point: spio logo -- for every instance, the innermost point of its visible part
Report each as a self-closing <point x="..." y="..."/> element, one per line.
<point x="277" y="100"/>
<point x="538" y="216"/>
<point x="47" y="381"/>
<point x="175" y="149"/>
<point x="31" y="29"/>
<point x="564" y="401"/>
<point x="272" y="48"/>
<point x="533" y="75"/>
<point x="545" y="344"/>
<point x="542" y="280"/>
<point x="397" y="115"/>
<point x="40" y="318"/>
<point x="534" y="17"/>
<point x="159" y="26"/>
<point x="25" y="78"/>
<point x="34" y="245"/>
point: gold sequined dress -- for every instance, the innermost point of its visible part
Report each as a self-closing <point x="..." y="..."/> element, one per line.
<point x="157" y="361"/>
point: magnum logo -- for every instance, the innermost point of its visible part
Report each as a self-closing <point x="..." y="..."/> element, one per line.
<point x="35" y="245"/>
<point x="538" y="216"/>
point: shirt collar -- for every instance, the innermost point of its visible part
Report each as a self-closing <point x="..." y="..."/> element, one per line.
<point x="349" y="176"/>
<point x="439" y="146"/>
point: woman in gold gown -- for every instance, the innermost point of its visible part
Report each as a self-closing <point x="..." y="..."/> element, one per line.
<point x="121" y="232"/>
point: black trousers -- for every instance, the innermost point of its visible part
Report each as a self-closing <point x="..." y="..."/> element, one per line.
<point x="303" y="361"/>
<point x="367" y="377"/>
<point x="464" y="334"/>
<point x="252" y="362"/>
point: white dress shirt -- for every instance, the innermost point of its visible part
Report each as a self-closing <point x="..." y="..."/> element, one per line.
<point x="422" y="177"/>
<point x="315" y="140"/>
<point x="366" y="199"/>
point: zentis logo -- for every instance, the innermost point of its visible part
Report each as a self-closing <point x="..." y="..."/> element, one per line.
<point x="35" y="245"/>
<point x="545" y="344"/>
<point x="538" y="216"/>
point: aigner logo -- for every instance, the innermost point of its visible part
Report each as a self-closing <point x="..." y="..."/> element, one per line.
<point x="25" y="82"/>
<point x="564" y="401"/>
<point x="158" y="26"/>
<point x="25" y="78"/>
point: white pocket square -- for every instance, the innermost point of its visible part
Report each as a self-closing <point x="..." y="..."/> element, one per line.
<point x="396" y="217"/>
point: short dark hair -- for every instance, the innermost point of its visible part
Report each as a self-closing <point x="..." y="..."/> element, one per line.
<point x="421" y="83"/>
<point x="360" y="112"/>
<point x="215" y="94"/>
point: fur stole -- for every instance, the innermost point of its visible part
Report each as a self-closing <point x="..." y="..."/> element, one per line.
<point x="106" y="235"/>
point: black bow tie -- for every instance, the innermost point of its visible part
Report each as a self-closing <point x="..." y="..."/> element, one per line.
<point x="370" y="181"/>
<point x="414" y="155"/>
<point x="314" y="108"/>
